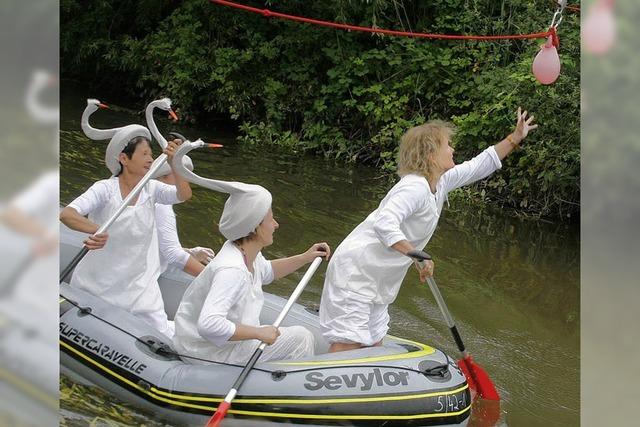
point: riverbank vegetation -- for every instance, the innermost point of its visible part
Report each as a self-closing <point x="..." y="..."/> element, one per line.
<point x="345" y="95"/>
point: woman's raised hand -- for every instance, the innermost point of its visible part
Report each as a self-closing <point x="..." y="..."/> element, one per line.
<point x="318" y="250"/>
<point x="171" y="149"/>
<point x="523" y="126"/>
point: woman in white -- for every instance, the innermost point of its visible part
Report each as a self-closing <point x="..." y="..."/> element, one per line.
<point x="172" y="254"/>
<point x="219" y="315"/>
<point x="125" y="269"/>
<point x="367" y="269"/>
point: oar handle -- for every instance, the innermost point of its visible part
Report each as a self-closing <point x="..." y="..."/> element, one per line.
<point x="443" y="306"/>
<point x="420" y="257"/>
<point x="76" y="259"/>
<point x="296" y="293"/>
<point x="298" y="290"/>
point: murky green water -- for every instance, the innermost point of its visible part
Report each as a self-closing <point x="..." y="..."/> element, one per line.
<point x="512" y="286"/>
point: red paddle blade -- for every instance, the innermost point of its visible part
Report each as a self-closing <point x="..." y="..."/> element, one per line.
<point x="466" y="370"/>
<point x="221" y="412"/>
<point x="478" y="379"/>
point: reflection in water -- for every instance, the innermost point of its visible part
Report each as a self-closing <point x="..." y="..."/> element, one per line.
<point x="512" y="286"/>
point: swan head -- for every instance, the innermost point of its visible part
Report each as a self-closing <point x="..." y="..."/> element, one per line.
<point x="164" y="104"/>
<point x="93" y="104"/>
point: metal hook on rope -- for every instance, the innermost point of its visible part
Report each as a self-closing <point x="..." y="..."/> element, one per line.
<point x="557" y="16"/>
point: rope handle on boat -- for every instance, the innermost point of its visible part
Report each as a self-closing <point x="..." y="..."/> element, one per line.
<point x="162" y="348"/>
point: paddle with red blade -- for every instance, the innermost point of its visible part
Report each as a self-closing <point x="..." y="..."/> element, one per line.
<point x="476" y="376"/>
<point x="224" y="406"/>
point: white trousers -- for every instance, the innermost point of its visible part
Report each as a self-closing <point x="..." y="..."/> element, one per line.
<point x="347" y="317"/>
<point x="294" y="342"/>
<point x="158" y="319"/>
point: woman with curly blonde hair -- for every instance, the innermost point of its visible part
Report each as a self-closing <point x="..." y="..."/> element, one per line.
<point x="366" y="271"/>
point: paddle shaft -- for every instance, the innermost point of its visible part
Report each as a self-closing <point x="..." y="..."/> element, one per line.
<point x="157" y="164"/>
<point x="445" y="313"/>
<point x="224" y="406"/>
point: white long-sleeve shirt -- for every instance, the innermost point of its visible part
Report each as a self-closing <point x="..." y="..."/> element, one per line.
<point x="171" y="251"/>
<point x="99" y="194"/>
<point x="223" y="295"/>
<point x="366" y="264"/>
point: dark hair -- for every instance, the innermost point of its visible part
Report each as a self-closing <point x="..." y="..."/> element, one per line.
<point x="131" y="147"/>
<point x="249" y="237"/>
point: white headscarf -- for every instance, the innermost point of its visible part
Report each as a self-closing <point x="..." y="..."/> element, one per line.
<point x="119" y="142"/>
<point x="246" y="206"/>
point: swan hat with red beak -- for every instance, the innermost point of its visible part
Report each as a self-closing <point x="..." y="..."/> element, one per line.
<point x="246" y="206"/>
<point x="119" y="137"/>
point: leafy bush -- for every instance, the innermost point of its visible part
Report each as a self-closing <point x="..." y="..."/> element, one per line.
<point x="348" y="95"/>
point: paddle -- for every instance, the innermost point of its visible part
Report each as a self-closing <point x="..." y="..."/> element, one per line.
<point x="476" y="376"/>
<point x="221" y="412"/>
<point x="157" y="164"/>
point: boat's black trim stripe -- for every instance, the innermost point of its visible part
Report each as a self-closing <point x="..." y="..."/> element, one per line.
<point x="309" y="413"/>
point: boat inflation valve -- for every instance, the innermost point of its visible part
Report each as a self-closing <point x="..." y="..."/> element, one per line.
<point x="155" y="347"/>
<point x="83" y="311"/>
<point x="278" y="375"/>
<point x="435" y="371"/>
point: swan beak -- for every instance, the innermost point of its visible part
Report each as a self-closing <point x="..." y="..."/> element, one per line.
<point x="215" y="145"/>
<point x="173" y="115"/>
<point x="101" y="105"/>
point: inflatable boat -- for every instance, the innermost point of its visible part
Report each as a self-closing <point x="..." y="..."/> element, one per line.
<point x="400" y="383"/>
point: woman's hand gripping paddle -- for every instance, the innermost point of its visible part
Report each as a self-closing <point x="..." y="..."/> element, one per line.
<point x="476" y="376"/>
<point x="221" y="412"/>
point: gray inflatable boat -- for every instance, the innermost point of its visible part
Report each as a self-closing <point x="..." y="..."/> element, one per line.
<point x="401" y="383"/>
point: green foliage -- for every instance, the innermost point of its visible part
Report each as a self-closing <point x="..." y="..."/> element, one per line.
<point x="347" y="95"/>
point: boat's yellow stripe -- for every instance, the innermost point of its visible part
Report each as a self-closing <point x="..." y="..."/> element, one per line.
<point x="425" y="350"/>
<point x="353" y="417"/>
<point x="29" y="389"/>
<point x="153" y="394"/>
<point x="303" y="401"/>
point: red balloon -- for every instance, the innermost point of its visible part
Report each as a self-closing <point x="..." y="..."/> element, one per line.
<point x="546" y="66"/>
